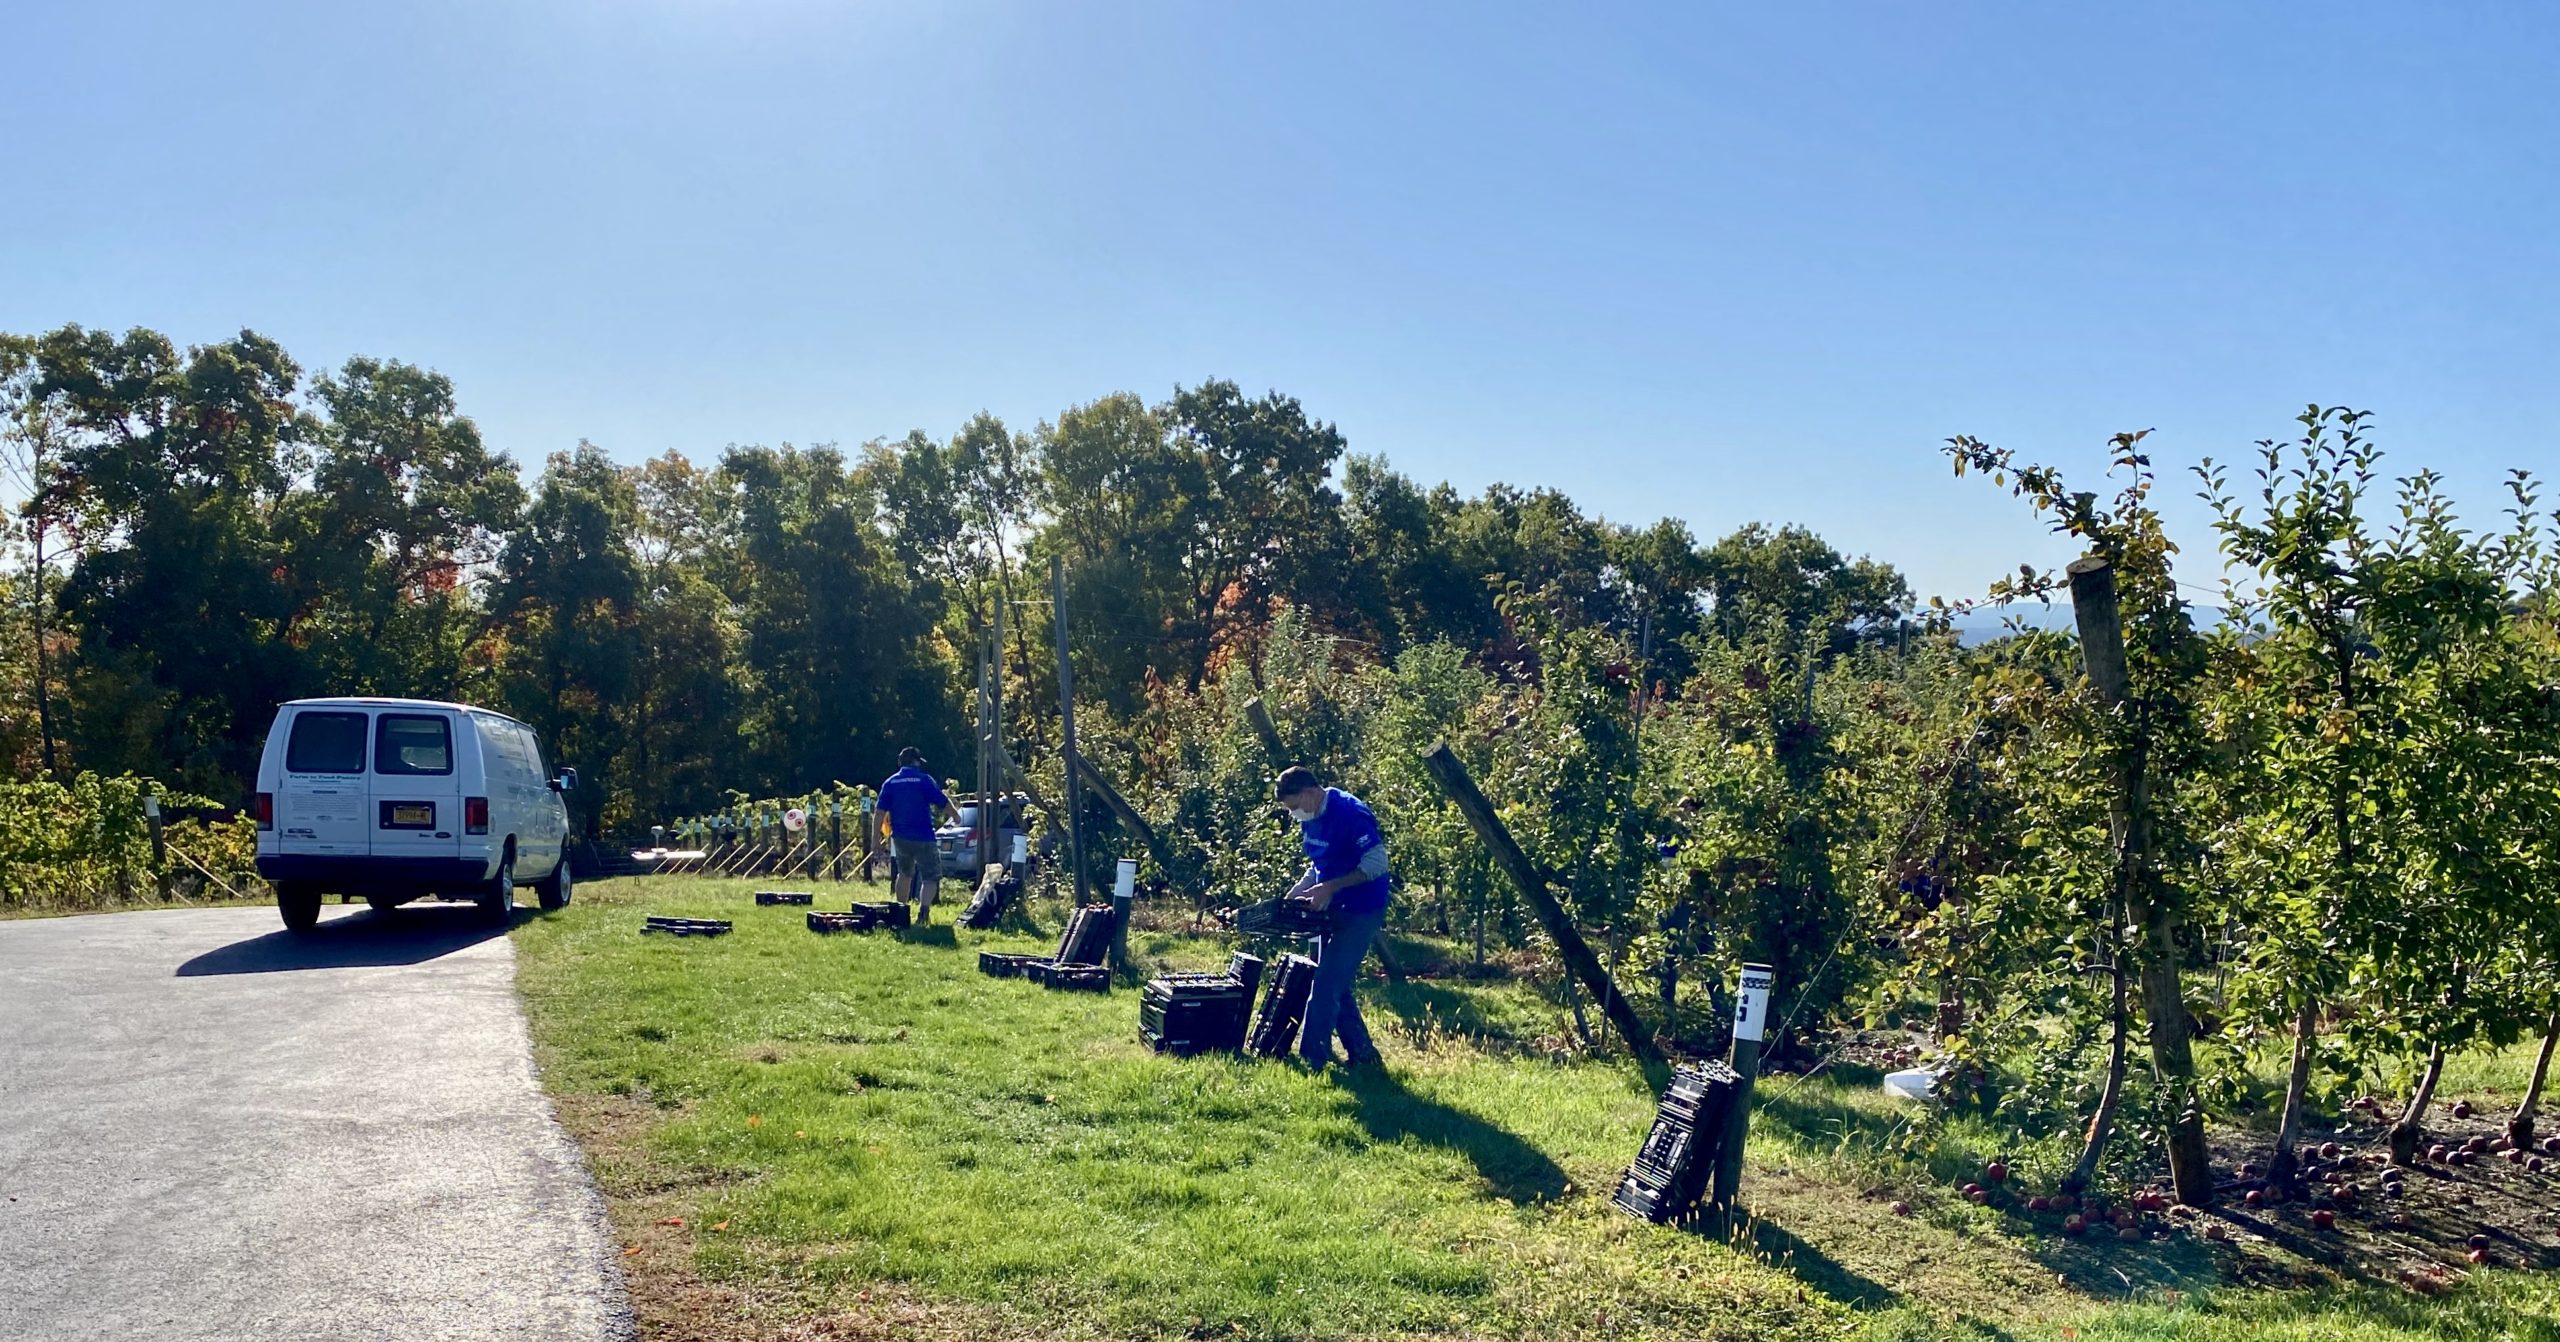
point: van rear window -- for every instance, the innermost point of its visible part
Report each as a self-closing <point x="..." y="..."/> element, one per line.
<point x="325" y="743"/>
<point x="413" y="743"/>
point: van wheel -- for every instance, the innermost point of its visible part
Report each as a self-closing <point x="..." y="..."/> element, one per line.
<point x="553" y="891"/>
<point x="385" y="903"/>
<point x="498" y="902"/>
<point x="300" y="905"/>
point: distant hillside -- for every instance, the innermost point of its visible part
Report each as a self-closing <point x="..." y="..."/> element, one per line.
<point x="1990" y="622"/>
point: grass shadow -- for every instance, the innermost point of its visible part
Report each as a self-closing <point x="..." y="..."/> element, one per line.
<point x="1424" y="1008"/>
<point x="1389" y="1112"/>
<point x="939" y="935"/>
<point x="1791" y="1253"/>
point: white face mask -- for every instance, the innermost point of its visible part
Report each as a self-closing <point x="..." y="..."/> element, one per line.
<point x="1301" y="817"/>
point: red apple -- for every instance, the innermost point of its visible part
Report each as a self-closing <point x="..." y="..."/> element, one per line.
<point x="2325" y="1219"/>
<point x="2480" y="1257"/>
<point x="2038" y="1204"/>
<point x="2128" y="1234"/>
<point x="2462" y="1109"/>
<point x="1978" y="1197"/>
<point x="1902" y="1209"/>
<point x="2255" y="1198"/>
<point x="2437" y="1153"/>
<point x="2074" y="1224"/>
<point x="2329" y="1150"/>
<point x="2477" y="1242"/>
<point x="1996" y="1172"/>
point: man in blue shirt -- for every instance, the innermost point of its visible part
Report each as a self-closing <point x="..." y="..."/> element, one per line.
<point x="1347" y="876"/>
<point x="910" y="797"/>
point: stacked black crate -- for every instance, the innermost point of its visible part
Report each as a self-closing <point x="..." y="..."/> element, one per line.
<point x="1275" y="1026"/>
<point x="1195" y="1013"/>
<point x="1671" y="1169"/>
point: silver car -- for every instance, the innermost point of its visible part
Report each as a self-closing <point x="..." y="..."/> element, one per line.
<point x="959" y="843"/>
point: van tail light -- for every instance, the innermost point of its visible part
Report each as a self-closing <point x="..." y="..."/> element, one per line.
<point x="475" y="815"/>
<point x="971" y="838"/>
<point x="265" y="810"/>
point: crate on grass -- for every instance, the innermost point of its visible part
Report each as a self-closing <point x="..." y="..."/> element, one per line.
<point x="821" y="921"/>
<point x="996" y="889"/>
<point x="767" y="898"/>
<point x="685" y="927"/>
<point x="997" y="965"/>
<point x="1284" y="1007"/>
<point x="885" y="913"/>
<point x="1077" y="978"/>
<point x="1193" y="1013"/>
<point x="1671" y="1169"/>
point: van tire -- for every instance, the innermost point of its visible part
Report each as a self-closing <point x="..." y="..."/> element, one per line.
<point x="553" y="891"/>
<point x="300" y="905"/>
<point x="385" y="903"/>
<point x="498" y="901"/>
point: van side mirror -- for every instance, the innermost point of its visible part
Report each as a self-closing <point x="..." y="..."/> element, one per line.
<point x="566" y="782"/>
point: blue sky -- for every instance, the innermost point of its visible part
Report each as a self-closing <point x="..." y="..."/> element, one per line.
<point x="1722" y="262"/>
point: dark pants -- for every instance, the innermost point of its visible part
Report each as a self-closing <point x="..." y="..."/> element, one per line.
<point x="1331" y="1007"/>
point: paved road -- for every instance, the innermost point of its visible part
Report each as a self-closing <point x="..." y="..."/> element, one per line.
<point x="211" y="1129"/>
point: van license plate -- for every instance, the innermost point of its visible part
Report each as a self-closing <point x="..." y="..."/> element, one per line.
<point x="418" y="813"/>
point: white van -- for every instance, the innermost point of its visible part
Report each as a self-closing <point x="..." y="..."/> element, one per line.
<point x="399" y="799"/>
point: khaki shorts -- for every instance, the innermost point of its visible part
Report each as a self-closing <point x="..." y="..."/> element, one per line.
<point x="921" y="856"/>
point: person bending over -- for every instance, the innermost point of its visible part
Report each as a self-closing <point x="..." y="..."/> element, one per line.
<point x="910" y="798"/>
<point x="1347" y="876"/>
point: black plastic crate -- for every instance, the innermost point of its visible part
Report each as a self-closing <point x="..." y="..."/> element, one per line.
<point x="839" y="922"/>
<point x="686" y="927"/>
<point x="998" y="965"/>
<point x="1077" y="978"/>
<point x="1282" y="918"/>
<point x="1247" y="970"/>
<point x="1009" y="966"/>
<point x="1681" y="1149"/>
<point x="1284" y="1008"/>
<point x="1668" y="1157"/>
<point x="1650" y="1202"/>
<point x="772" y="897"/>
<point x="997" y="889"/>
<point x="885" y="913"/>
<point x="1088" y="936"/>
<point x="1211" y="1032"/>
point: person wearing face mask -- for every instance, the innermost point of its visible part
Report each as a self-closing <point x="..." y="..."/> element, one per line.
<point x="1347" y="877"/>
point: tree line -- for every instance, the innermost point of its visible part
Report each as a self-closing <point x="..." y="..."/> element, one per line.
<point x="201" y="533"/>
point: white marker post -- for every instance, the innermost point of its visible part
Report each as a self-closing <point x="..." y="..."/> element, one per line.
<point x="1750" y="1025"/>
<point x="1021" y="856"/>
<point x="1124" y="896"/>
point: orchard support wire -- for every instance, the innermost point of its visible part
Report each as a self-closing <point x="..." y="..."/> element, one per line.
<point x="1570" y="947"/>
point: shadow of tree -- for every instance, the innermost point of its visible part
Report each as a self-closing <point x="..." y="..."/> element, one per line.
<point x="1389" y="1112"/>
<point x="1789" y="1252"/>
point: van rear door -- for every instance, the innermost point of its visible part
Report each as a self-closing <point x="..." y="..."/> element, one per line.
<point x="320" y="800"/>
<point x="415" y="805"/>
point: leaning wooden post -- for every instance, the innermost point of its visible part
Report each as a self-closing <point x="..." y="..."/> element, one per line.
<point x="1067" y="725"/>
<point x="1570" y="947"/>
<point x="2094" y="606"/>
<point x="1750" y="1025"/>
<point x="1260" y="717"/>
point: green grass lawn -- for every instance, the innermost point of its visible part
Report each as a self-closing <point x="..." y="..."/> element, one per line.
<point x="864" y="1129"/>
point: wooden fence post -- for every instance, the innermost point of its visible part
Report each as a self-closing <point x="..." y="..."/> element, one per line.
<point x="1570" y="947"/>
